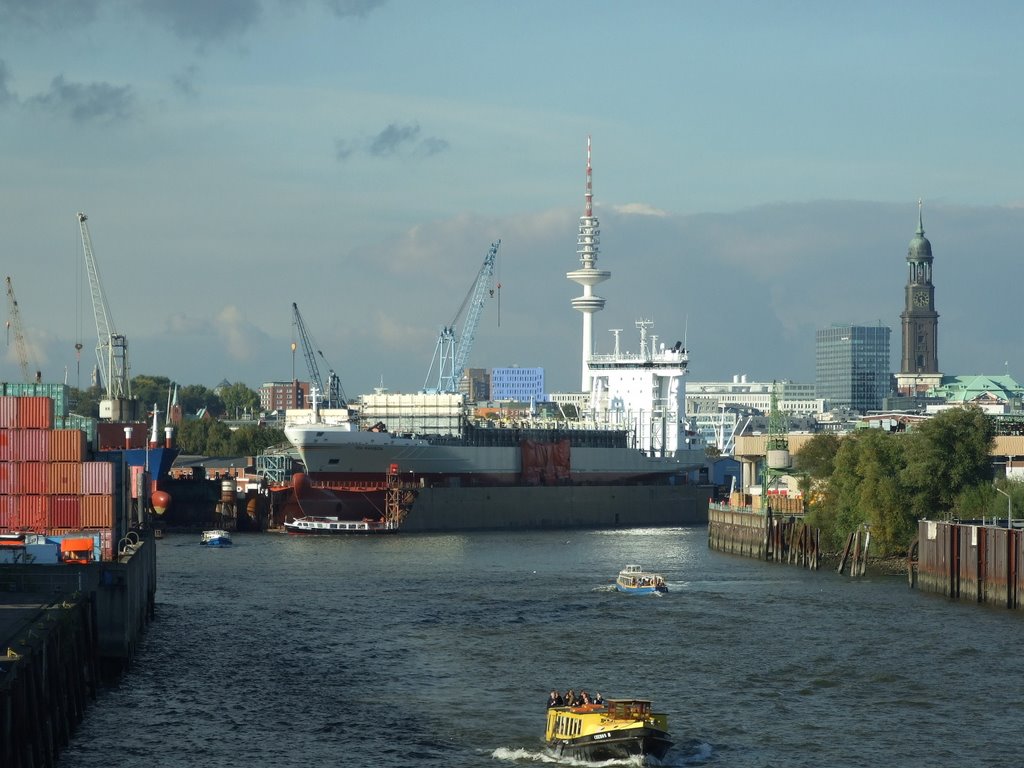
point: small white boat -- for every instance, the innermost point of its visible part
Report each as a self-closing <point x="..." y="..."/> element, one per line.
<point x="636" y="581"/>
<point x="216" y="538"/>
<point x="333" y="526"/>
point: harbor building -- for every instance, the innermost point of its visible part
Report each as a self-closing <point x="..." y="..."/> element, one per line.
<point x="720" y="410"/>
<point x="852" y="366"/>
<point x="919" y="362"/>
<point x="523" y="385"/>
<point x="475" y="384"/>
<point x="284" y="395"/>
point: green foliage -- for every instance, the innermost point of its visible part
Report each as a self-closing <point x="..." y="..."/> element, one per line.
<point x="151" y="390"/>
<point x="891" y="480"/>
<point x="239" y="399"/>
<point x="251" y="440"/>
<point x="195" y="397"/>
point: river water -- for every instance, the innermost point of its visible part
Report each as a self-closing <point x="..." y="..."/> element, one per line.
<point x="439" y="650"/>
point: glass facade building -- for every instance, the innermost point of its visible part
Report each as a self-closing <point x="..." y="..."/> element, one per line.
<point x="519" y="384"/>
<point x="852" y="366"/>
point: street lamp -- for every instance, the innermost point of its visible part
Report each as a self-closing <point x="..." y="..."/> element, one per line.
<point x="1009" y="508"/>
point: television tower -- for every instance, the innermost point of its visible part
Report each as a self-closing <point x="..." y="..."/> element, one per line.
<point x="588" y="275"/>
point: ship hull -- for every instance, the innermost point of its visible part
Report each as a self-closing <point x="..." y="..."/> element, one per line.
<point x="442" y="509"/>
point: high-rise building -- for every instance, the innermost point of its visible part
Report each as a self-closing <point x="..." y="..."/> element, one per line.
<point x="523" y="385"/>
<point x="587" y="246"/>
<point x="919" y="363"/>
<point x="852" y="366"/>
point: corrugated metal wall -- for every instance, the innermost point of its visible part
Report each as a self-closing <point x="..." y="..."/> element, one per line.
<point x="976" y="563"/>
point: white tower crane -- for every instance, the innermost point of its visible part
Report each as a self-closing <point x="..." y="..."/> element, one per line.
<point x="111" y="347"/>
<point x="331" y="392"/>
<point x="14" y="322"/>
<point x="452" y="351"/>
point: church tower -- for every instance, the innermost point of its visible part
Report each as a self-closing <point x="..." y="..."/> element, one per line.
<point x="919" y="366"/>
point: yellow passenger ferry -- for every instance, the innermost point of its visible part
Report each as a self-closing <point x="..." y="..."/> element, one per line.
<point x="618" y="729"/>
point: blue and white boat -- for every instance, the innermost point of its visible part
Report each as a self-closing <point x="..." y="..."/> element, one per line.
<point x="216" y="538"/>
<point x="635" y="580"/>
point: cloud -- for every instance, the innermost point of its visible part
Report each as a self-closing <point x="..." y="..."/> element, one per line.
<point x="5" y="93"/>
<point x="360" y="8"/>
<point x="204" y="21"/>
<point x="84" y="102"/>
<point x="185" y="81"/>
<point x="46" y="15"/>
<point x="396" y="139"/>
<point x="639" y="209"/>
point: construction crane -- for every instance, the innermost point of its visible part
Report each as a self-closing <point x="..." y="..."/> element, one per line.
<point x="333" y="395"/>
<point x="452" y="350"/>
<point x="14" y="322"/>
<point x="111" y="347"/>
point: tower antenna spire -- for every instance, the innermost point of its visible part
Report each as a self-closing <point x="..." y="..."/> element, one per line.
<point x="920" y="218"/>
<point x="588" y="208"/>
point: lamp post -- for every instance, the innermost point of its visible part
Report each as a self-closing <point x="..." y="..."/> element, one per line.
<point x="295" y="399"/>
<point x="1009" y="508"/>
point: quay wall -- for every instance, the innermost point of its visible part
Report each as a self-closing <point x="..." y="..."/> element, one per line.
<point x="554" y="507"/>
<point x="750" y="533"/>
<point x="971" y="562"/>
<point x="48" y="674"/>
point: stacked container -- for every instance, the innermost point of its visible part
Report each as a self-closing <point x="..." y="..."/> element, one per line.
<point x="47" y="484"/>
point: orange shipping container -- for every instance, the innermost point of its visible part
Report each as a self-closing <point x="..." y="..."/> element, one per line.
<point x="8" y="477"/>
<point x="65" y="511"/>
<point x="35" y="413"/>
<point x="65" y="477"/>
<point x="98" y="512"/>
<point x="30" y="513"/>
<point x="33" y="477"/>
<point x="6" y="513"/>
<point x="67" y="445"/>
<point x="28" y="444"/>
<point x="97" y="477"/>
<point x="9" y="412"/>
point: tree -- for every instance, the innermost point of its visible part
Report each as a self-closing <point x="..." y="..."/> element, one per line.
<point x="151" y="390"/>
<point x="250" y="441"/>
<point x="238" y="399"/>
<point x="816" y="461"/>
<point x="946" y="455"/>
<point x="195" y="397"/>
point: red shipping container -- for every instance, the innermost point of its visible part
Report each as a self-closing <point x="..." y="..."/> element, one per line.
<point x="107" y="545"/>
<point x="31" y="513"/>
<point x="136" y="471"/>
<point x="67" y="445"/>
<point x="33" y="477"/>
<point x="98" y="512"/>
<point x="6" y="513"/>
<point x="65" y="477"/>
<point x="28" y="444"/>
<point x="9" y="412"/>
<point x="97" y="477"/>
<point x="65" y="511"/>
<point x="35" y="413"/>
<point x="8" y="478"/>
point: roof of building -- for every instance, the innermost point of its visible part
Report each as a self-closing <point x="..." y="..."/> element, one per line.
<point x="969" y="389"/>
<point x="920" y="249"/>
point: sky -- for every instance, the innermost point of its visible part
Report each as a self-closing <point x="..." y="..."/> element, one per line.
<point x="756" y="167"/>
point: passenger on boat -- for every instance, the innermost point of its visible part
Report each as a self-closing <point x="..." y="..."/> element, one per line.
<point x="555" y="699"/>
<point x="598" y="698"/>
<point x="570" y="698"/>
<point x="584" y="699"/>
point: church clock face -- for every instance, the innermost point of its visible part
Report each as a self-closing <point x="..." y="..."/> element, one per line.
<point x="921" y="299"/>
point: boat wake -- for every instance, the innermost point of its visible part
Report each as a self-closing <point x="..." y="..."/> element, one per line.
<point x="693" y="753"/>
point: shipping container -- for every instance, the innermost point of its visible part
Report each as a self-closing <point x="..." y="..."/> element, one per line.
<point x="35" y="413"/>
<point x="33" y="477"/>
<point x="97" y="477"/>
<point x="8" y="477"/>
<point x="65" y="511"/>
<point x="59" y="393"/>
<point x="65" y="477"/>
<point x="7" y="514"/>
<point x="24" y="444"/>
<point x="97" y="512"/>
<point x="8" y="412"/>
<point x="67" y="445"/>
<point x="31" y="513"/>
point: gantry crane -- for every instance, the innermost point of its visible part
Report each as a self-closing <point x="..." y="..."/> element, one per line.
<point x="333" y="396"/>
<point x="111" y="347"/>
<point x="452" y="350"/>
<point x="14" y="323"/>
